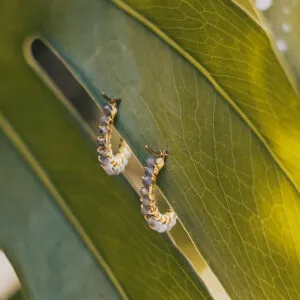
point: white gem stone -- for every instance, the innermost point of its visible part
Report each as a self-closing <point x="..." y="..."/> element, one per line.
<point x="103" y="152"/>
<point x="169" y="227"/>
<point x="122" y="156"/>
<point x="115" y="170"/>
<point x="121" y="168"/>
<point x="173" y="222"/>
<point x="162" y="228"/>
<point x="154" y="224"/>
<point x="127" y="152"/>
<point x="109" y="169"/>
<point x="125" y="162"/>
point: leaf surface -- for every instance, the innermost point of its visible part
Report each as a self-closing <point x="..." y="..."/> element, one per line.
<point x="248" y="6"/>
<point x="104" y="210"/>
<point x="49" y="257"/>
<point x="228" y="128"/>
<point x="237" y="203"/>
<point x="235" y="54"/>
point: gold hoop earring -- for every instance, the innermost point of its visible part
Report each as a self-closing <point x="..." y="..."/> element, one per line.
<point x="156" y="220"/>
<point x="112" y="164"/>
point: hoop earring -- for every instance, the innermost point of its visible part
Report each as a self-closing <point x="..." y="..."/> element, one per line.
<point x="112" y="164"/>
<point x="156" y="220"/>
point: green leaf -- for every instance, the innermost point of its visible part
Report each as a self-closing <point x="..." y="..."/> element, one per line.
<point x="231" y="128"/>
<point x="226" y="178"/>
<point x="103" y="210"/>
<point x="18" y="296"/>
<point x="248" y="6"/>
<point x="240" y="186"/>
<point x="49" y="257"/>
<point x="235" y="55"/>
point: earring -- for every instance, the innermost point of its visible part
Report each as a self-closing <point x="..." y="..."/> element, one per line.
<point x="112" y="164"/>
<point x="156" y="220"/>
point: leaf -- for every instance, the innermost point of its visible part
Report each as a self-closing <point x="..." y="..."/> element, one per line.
<point x="248" y="6"/>
<point x="283" y="20"/>
<point x="234" y="53"/>
<point x="51" y="260"/>
<point x="238" y="205"/>
<point x="225" y="126"/>
<point x="19" y="296"/>
<point x="104" y="210"/>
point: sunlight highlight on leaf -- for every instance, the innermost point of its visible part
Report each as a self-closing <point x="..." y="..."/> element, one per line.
<point x="288" y="147"/>
<point x="203" y="81"/>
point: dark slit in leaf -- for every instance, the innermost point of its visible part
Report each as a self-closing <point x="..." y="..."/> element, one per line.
<point x="78" y="97"/>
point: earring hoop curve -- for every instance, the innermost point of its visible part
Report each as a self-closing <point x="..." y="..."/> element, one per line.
<point x="112" y="164"/>
<point x="156" y="220"/>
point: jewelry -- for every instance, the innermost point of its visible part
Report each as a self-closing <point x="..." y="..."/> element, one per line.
<point x="156" y="220"/>
<point x="112" y="164"/>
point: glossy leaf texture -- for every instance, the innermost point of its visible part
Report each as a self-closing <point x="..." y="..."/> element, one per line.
<point x="239" y="206"/>
<point x="249" y="7"/>
<point x="283" y="20"/>
<point x="47" y="254"/>
<point x="103" y="211"/>
<point x="235" y="54"/>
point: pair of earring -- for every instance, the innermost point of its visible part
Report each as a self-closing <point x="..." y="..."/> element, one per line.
<point x="115" y="164"/>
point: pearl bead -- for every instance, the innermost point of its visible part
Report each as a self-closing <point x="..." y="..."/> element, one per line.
<point x="162" y="228"/>
<point x="109" y="170"/>
<point x="150" y="162"/>
<point x="153" y="223"/>
<point x="107" y="110"/>
<point x="148" y="171"/>
<point x="147" y="180"/>
<point x="146" y="201"/>
<point x="103" y="120"/>
<point x="121" y="168"/>
<point x="145" y="210"/>
<point x="127" y="152"/>
<point x="101" y="141"/>
<point x="116" y="170"/>
<point x="173" y="222"/>
<point x="125" y="162"/>
<point x="105" y="161"/>
<point x="103" y="130"/>
<point x="144" y="191"/>
<point x="103" y="152"/>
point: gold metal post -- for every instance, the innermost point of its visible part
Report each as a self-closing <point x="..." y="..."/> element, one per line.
<point x="111" y="100"/>
<point x="163" y="154"/>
